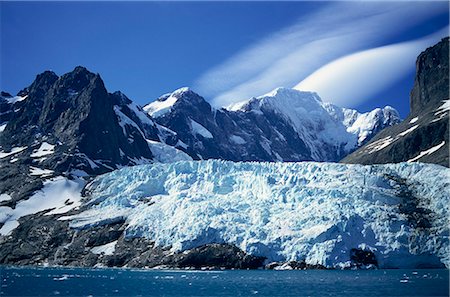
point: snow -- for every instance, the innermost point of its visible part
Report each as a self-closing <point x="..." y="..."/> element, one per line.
<point x="363" y="124"/>
<point x="140" y="114"/>
<point x="379" y="144"/>
<point x="2" y="127"/>
<point x="282" y="211"/>
<point x="59" y="195"/>
<point x="413" y="120"/>
<point x="5" y="197"/>
<point x="237" y="139"/>
<point x="385" y="142"/>
<point x="44" y="150"/>
<point x="106" y="249"/>
<point x="40" y="172"/>
<point x="409" y="130"/>
<point x="165" y="153"/>
<point x="164" y="104"/>
<point x="15" y="99"/>
<point x="124" y="121"/>
<point x="427" y="152"/>
<point x="200" y="130"/>
<point x="161" y="151"/>
<point x="445" y="107"/>
<point x="13" y="151"/>
<point x="181" y="144"/>
<point x="91" y="163"/>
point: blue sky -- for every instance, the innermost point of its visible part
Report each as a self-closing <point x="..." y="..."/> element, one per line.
<point x="226" y="51"/>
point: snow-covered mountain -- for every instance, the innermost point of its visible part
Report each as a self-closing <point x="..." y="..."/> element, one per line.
<point x="284" y="125"/>
<point x="319" y="214"/>
<point x="364" y="125"/>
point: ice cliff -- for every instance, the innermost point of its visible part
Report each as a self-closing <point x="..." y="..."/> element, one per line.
<point x="317" y="212"/>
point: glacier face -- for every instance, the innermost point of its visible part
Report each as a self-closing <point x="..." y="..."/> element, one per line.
<point x="309" y="211"/>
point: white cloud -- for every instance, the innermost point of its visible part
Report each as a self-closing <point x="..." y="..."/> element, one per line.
<point x="289" y="56"/>
<point x="352" y="79"/>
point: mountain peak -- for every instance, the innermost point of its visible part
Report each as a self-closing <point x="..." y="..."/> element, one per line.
<point x="165" y="103"/>
<point x="80" y="69"/>
<point x="282" y="91"/>
<point x="78" y="79"/>
<point x="280" y="98"/>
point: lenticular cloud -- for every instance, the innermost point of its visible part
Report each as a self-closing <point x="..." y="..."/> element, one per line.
<point x="352" y="79"/>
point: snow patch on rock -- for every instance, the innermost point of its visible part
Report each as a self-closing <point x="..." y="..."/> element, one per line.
<point x="427" y="152"/>
<point x="200" y="130"/>
<point x="164" y="104"/>
<point x="44" y="150"/>
<point x="106" y="249"/>
<point x="14" y="150"/>
<point x="165" y="153"/>
<point x="59" y="195"/>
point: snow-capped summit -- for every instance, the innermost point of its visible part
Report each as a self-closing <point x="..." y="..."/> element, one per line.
<point x="370" y="123"/>
<point x="283" y="125"/>
<point x="164" y="104"/>
<point x="364" y="125"/>
<point x="305" y="112"/>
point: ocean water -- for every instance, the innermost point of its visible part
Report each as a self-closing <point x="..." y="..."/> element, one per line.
<point x="125" y="282"/>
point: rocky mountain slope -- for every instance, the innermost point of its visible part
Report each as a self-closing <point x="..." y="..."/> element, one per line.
<point x="71" y="125"/>
<point x="246" y="215"/>
<point x="285" y="125"/>
<point x="424" y="135"/>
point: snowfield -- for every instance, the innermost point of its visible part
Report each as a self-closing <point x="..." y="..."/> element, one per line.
<point x="59" y="195"/>
<point x="315" y="212"/>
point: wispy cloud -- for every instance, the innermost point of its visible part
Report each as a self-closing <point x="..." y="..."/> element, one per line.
<point x="289" y="56"/>
<point x="352" y="79"/>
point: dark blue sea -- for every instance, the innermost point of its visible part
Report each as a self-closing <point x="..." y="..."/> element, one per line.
<point x="124" y="282"/>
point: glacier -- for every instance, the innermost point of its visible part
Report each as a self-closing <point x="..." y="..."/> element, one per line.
<point x="308" y="211"/>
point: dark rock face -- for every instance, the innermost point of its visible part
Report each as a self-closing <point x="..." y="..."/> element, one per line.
<point x="361" y="258"/>
<point x="424" y="135"/>
<point x="218" y="256"/>
<point x="431" y="84"/>
<point x="89" y="128"/>
<point x="40" y="240"/>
